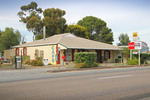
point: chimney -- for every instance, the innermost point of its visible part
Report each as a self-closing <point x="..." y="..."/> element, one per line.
<point x="44" y="30"/>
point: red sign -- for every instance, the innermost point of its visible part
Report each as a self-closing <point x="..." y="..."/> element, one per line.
<point x="63" y="57"/>
<point x="131" y="45"/>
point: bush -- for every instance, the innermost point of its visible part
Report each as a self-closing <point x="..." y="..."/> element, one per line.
<point x="83" y="65"/>
<point x="85" y="57"/>
<point x="133" y="61"/>
<point x="24" y="59"/>
<point x="36" y="63"/>
<point x="96" y="64"/>
<point x="80" y="65"/>
<point x="27" y="62"/>
<point x="144" y="57"/>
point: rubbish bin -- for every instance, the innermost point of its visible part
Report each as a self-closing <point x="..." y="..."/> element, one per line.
<point x="18" y="62"/>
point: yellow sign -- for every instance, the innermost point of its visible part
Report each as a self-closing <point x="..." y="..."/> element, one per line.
<point x="135" y="34"/>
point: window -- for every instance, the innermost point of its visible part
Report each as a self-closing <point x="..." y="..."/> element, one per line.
<point x="107" y="54"/>
<point x="25" y="51"/>
<point x="68" y="55"/>
<point x="17" y="51"/>
<point x="42" y="54"/>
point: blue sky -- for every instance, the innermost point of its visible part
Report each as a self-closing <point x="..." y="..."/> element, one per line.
<point x="122" y="16"/>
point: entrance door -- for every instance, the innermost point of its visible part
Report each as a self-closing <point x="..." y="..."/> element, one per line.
<point x="58" y="58"/>
<point x="99" y="56"/>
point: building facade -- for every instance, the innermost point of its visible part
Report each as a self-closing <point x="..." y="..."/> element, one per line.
<point x="54" y="47"/>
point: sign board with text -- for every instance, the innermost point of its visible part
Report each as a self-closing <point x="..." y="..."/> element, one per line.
<point x="131" y="45"/>
<point x="135" y="34"/>
<point x="135" y="45"/>
<point x="135" y="52"/>
<point x="135" y="37"/>
<point x="138" y="45"/>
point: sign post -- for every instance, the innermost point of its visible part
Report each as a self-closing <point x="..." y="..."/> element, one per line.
<point x="130" y="54"/>
<point x="63" y="57"/>
<point x="139" y="58"/>
<point x="136" y="46"/>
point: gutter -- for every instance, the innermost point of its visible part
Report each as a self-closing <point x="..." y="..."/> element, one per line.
<point x="35" y="45"/>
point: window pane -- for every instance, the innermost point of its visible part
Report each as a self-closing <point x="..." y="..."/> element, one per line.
<point x="68" y="54"/>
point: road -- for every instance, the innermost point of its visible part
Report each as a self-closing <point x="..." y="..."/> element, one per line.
<point x="108" y="84"/>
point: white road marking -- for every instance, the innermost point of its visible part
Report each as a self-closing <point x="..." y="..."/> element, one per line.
<point x="114" y="77"/>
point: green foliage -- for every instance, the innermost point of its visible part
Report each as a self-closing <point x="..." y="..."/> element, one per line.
<point x="54" y="21"/>
<point x="81" y="65"/>
<point x="25" y="59"/>
<point x="28" y="62"/>
<point x="133" y="61"/>
<point x="106" y="35"/>
<point x="40" y="36"/>
<point x="77" y="30"/>
<point x="144" y="57"/>
<point x="97" y="29"/>
<point x="9" y="38"/>
<point x="124" y="39"/>
<point x="125" y="51"/>
<point x="29" y="15"/>
<point x="88" y="58"/>
<point x="36" y="63"/>
<point x="84" y="65"/>
<point x="96" y="64"/>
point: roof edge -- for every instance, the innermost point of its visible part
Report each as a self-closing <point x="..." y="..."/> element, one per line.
<point x="35" y="45"/>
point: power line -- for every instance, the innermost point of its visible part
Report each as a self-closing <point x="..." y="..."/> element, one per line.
<point x="132" y="36"/>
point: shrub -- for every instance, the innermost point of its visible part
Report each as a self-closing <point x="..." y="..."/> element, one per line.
<point x="144" y="57"/>
<point x="133" y="61"/>
<point x="85" y="57"/>
<point x="96" y="64"/>
<point x="36" y="63"/>
<point x="27" y="62"/>
<point x="83" y="65"/>
<point x="80" y="65"/>
<point x="24" y="59"/>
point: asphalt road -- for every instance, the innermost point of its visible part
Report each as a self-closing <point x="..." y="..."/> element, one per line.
<point x="108" y="84"/>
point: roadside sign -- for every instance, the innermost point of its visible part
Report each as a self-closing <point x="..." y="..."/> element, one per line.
<point x="138" y="45"/>
<point x="135" y="34"/>
<point x="131" y="45"/>
<point x="45" y="61"/>
<point x="135" y="37"/>
<point x="135" y="45"/>
<point x="135" y="52"/>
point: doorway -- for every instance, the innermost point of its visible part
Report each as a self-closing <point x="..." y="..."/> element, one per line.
<point x="99" y="56"/>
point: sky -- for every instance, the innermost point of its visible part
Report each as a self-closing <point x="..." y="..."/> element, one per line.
<point x="122" y="16"/>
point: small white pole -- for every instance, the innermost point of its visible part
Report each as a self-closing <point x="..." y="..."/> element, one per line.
<point x="130" y="54"/>
<point x="139" y="56"/>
